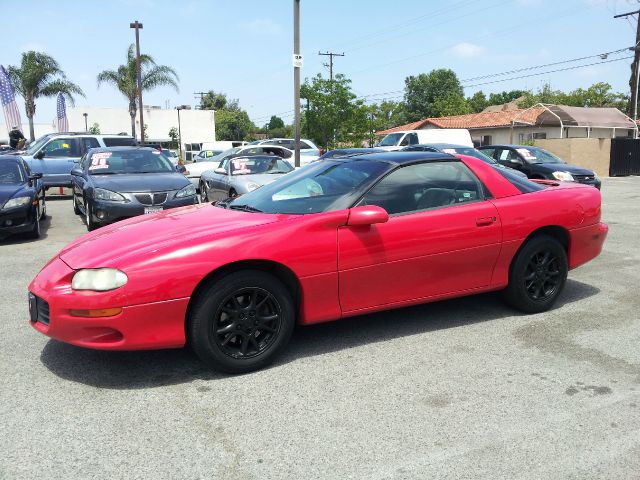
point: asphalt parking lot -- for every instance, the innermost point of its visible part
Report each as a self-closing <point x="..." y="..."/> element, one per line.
<point x="456" y="389"/>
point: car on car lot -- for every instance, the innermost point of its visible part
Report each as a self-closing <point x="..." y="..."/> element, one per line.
<point x="195" y="171"/>
<point x="111" y="184"/>
<point x="454" y="149"/>
<point x="309" y="151"/>
<point x="537" y="163"/>
<point x="22" y="198"/>
<point x="320" y="243"/>
<point x="241" y="174"/>
<point x="348" y="152"/>
<point x="54" y="155"/>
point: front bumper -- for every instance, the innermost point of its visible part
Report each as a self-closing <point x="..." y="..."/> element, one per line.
<point x="137" y="327"/>
<point x="17" y="220"/>
<point x="108" y="212"/>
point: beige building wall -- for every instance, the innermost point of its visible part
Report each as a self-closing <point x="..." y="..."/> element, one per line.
<point x="591" y="153"/>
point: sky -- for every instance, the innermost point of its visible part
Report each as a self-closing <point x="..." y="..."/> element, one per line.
<point x="244" y="48"/>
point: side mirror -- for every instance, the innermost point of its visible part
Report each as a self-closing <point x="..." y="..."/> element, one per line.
<point x="35" y="176"/>
<point x="77" y="172"/>
<point x="367" y="215"/>
<point x="220" y="171"/>
<point x="39" y="155"/>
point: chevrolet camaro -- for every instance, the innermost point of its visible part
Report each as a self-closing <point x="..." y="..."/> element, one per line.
<point x="334" y="239"/>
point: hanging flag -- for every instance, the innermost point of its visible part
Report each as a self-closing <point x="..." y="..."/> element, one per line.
<point x="8" y="99"/>
<point x="63" y="123"/>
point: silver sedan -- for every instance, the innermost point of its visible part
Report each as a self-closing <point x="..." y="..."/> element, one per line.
<point x="236" y="176"/>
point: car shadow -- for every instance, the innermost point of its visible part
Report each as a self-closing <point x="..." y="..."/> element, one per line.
<point x="150" y="369"/>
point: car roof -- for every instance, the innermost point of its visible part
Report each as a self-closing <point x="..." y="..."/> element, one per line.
<point x="121" y="148"/>
<point x="399" y="158"/>
<point x="8" y="158"/>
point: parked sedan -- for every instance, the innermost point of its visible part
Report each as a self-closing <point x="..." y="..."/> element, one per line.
<point x="110" y="184"/>
<point x="22" y="198"/>
<point x="335" y="239"/>
<point x="238" y="175"/>
<point x="537" y="163"/>
<point x="454" y="149"/>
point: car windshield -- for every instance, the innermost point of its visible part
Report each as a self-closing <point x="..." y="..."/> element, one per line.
<point x="258" y="165"/>
<point x="390" y="140"/>
<point x="129" y="161"/>
<point x="538" y="155"/>
<point x="35" y="146"/>
<point x="11" y="173"/>
<point x="472" y="152"/>
<point x="318" y="187"/>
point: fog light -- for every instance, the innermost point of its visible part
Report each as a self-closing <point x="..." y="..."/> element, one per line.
<point x="101" y="214"/>
<point x="100" y="312"/>
<point x="8" y="223"/>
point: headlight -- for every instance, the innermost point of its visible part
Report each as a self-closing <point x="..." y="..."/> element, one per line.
<point x="99" y="279"/>
<point x="187" y="191"/>
<point x="563" y="176"/>
<point x="108" y="195"/>
<point x="17" y="202"/>
<point x="251" y="186"/>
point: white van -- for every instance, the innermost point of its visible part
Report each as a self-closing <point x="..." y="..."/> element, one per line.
<point x="404" y="138"/>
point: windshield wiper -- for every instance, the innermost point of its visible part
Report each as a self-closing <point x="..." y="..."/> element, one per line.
<point x="245" y="208"/>
<point x="276" y="171"/>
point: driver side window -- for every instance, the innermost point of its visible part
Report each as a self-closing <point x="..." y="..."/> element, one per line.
<point x="62" y="147"/>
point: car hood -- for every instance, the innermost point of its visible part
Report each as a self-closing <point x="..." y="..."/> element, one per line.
<point x="141" y="182"/>
<point x="144" y="236"/>
<point x="561" y="167"/>
<point x="8" y="191"/>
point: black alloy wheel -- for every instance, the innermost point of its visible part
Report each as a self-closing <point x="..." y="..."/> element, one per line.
<point x="240" y="322"/>
<point x="537" y="275"/>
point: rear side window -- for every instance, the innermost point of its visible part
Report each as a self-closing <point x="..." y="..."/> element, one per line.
<point x="119" y="142"/>
<point x="523" y="184"/>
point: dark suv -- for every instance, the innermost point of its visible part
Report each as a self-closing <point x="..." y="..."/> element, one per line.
<point x="541" y="164"/>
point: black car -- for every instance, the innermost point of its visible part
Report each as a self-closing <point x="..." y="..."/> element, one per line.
<point x="538" y="163"/>
<point x="22" y="198"/>
<point x="453" y="149"/>
<point x="111" y="184"/>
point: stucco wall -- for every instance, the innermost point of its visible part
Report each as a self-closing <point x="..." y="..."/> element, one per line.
<point x="592" y="153"/>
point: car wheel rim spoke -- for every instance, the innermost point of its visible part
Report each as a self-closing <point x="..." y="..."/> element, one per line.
<point x="247" y="323"/>
<point x="542" y="276"/>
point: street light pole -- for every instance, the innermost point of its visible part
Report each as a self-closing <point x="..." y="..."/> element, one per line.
<point x="296" y="79"/>
<point x="86" y="128"/>
<point x="137" y="25"/>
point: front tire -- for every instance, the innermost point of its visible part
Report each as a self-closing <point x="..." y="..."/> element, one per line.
<point x="35" y="232"/>
<point x="537" y="275"/>
<point x="204" y="193"/>
<point x="241" y="322"/>
<point x="76" y="209"/>
<point x="88" y="217"/>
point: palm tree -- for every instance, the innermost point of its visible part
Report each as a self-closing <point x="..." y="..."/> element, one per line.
<point x="39" y="75"/>
<point x="124" y="79"/>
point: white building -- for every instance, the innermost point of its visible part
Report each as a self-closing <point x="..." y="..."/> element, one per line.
<point x="196" y="126"/>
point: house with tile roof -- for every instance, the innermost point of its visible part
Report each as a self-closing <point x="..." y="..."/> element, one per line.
<point x="539" y="122"/>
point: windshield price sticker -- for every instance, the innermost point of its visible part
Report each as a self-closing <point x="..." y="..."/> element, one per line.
<point x="99" y="161"/>
<point x="450" y="151"/>
<point x="525" y="153"/>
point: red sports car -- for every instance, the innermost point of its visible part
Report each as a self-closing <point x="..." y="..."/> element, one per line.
<point x="337" y="238"/>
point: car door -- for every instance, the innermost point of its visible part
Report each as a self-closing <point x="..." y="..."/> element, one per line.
<point x="58" y="159"/>
<point x="442" y="237"/>
<point x="509" y="157"/>
<point x="218" y="182"/>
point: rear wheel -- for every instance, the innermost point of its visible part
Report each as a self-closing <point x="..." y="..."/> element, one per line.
<point x="241" y="322"/>
<point x="537" y="275"/>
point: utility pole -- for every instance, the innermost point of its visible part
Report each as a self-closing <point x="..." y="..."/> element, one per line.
<point x="137" y="25"/>
<point x="331" y="55"/>
<point x="201" y="95"/>
<point x="297" y="63"/>
<point x="635" y="71"/>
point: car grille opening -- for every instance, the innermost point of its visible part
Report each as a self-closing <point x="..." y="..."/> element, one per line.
<point x="39" y="309"/>
<point x="151" y="198"/>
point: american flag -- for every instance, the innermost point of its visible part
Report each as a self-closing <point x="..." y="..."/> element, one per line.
<point x="9" y="105"/>
<point x="63" y="123"/>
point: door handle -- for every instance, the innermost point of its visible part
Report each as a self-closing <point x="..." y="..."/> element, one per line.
<point x="484" y="221"/>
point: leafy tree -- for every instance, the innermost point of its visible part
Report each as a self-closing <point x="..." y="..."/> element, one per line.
<point x="597" y="95"/>
<point x="95" y="129"/>
<point x="477" y="102"/>
<point x="174" y="136"/>
<point x="334" y="115"/>
<point x="275" y="122"/>
<point x="505" y="97"/>
<point x="233" y="125"/>
<point x="125" y="80"/>
<point x="39" y="75"/>
<point x="435" y="94"/>
<point x="218" y="101"/>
